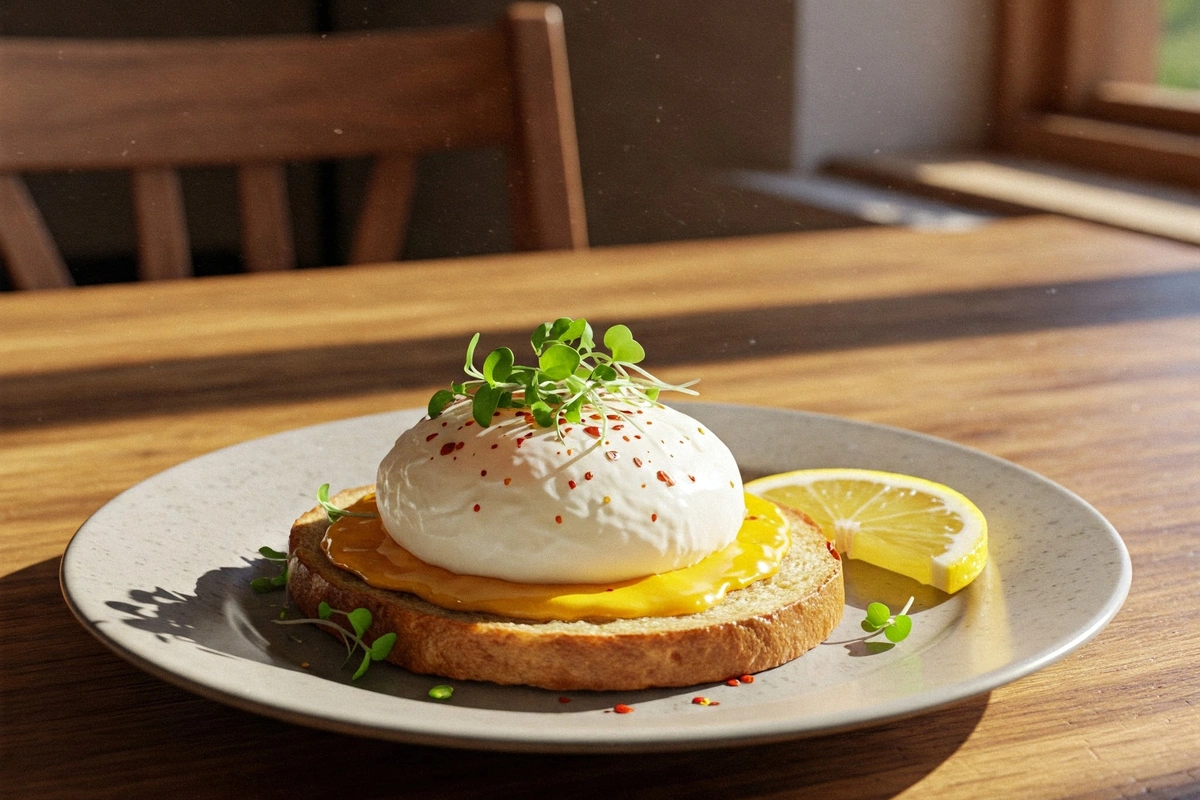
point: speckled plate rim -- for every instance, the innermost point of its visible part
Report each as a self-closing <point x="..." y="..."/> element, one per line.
<point x="764" y="440"/>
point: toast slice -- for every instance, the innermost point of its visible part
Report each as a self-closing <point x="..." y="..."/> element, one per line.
<point x="762" y="626"/>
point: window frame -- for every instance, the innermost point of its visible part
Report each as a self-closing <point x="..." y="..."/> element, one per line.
<point x="1075" y="85"/>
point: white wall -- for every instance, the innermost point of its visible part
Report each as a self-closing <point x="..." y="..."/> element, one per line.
<point x="890" y="75"/>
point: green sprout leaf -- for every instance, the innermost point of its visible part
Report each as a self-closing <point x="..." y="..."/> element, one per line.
<point x="574" y="410"/>
<point x="540" y="334"/>
<point x="362" y="668"/>
<point x="877" y="616"/>
<point x="542" y="413"/>
<point x="560" y="328"/>
<point x="439" y="401"/>
<point x="558" y="361"/>
<point x="497" y="366"/>
<point x="360" y="620"/>
<point x="898" y="631"/>
<point x="619" y="339"/>
<point x="603" y="373"/>
<point x="262" y="585"/>
<point x="382" y="647"/>
<point x="483" y="405"/>
<point x="274" y="555"/>
<point x="324" y="610"/>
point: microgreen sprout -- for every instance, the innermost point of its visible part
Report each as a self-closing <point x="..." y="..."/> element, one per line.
<point x="571" y="371"/>
<point x="879" y="617"/>
<point x="333" y="512"/>
<point x="441" y="692"/>
<point x="265" y="584"/>
<point x="360" y="621"/>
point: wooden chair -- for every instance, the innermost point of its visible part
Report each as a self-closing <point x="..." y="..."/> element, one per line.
<point x="153" y="106"/>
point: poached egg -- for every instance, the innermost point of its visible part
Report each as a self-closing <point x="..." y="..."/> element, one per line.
<point x="631" y="491"/>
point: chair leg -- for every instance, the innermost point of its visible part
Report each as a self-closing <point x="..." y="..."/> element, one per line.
<point x="384" y="218"/>
<point x="162" y="232"/>
<point x="33" y="260"/>
<point x="267" y="240"/>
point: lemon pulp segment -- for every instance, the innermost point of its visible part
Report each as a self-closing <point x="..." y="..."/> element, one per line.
<point x="360" y="545"/>
<point x="908" y="525"/>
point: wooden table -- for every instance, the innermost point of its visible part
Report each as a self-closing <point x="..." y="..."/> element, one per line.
<point x="1070" y="349"/>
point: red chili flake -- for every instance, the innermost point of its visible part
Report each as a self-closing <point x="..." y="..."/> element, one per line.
<point x="470" y="422"/>
<point x="833" y="551"/>
<point x="431" y="437"/>
<point x="495" y="413"/>
<point x="520" y="442"/>
<point x="649" y="422"/>
<point x="558" y="518"/>
<point x="592" y="431"/>
<point x="447" y="448"/>
<point x="747" y="679"/>
<point x="587" y="476"/>
<point x="608" y="590"/>
<point x="477" y="506"/>
<point x="637" y="436"/>
<point x="640" y="411"/>
<point x="617" y="427"/>
<point x="482" y="472"/>
<point x="571" y="484"/>
<point x="567" y="430"/>
<point x="612" y="455"/>
<point x="444" y="424"/>
<point x="621" y="708"/>
<point x="637" y="462"/>
<point x="595" y="416"/>
<point x="665" y="478"/>
<point x="495" y="446"/>
<point x="507" y="481"/>
<point x="613" y="416"/>
<point x="701" y="700"/>
<point x="654" y="517"/>
<point x="692" y="478"/>
<point x="626" y="438"/>
<point x="733" y="682"/>
<point x="564" y="699"/>
<point x="459" y="446"/>
<point x="752" y="516"/>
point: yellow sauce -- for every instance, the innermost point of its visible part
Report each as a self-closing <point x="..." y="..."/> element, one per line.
<point x="361" y="546"/>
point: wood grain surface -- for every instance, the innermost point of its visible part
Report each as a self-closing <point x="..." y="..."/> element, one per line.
<point x="1070" y="349"/>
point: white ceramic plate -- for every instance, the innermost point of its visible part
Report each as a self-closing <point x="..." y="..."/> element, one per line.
<point x="161" y="575"/>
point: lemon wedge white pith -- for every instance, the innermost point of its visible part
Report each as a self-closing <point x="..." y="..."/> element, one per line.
<point x="918" y="528"/>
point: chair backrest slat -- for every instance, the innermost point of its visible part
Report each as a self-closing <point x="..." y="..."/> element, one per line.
<point x="267" y="242"/>
<point x="384" y="216"/>
<point x="548" y="208"/>
<point x="161" y="224"/>
<point x="25" y="242"/>
<point x="107" y="104"/>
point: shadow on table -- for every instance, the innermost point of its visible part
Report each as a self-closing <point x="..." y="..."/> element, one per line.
<point x="235" y="380"/>
<point x="78" y="721"/>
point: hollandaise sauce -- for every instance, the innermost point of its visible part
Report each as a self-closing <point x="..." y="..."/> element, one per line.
<point x="360" y="545"/>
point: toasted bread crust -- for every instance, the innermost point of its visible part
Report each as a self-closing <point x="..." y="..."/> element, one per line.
<point x="756" y="628"/>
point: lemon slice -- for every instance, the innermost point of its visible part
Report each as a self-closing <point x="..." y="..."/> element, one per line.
<point x="908" y="525"/>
